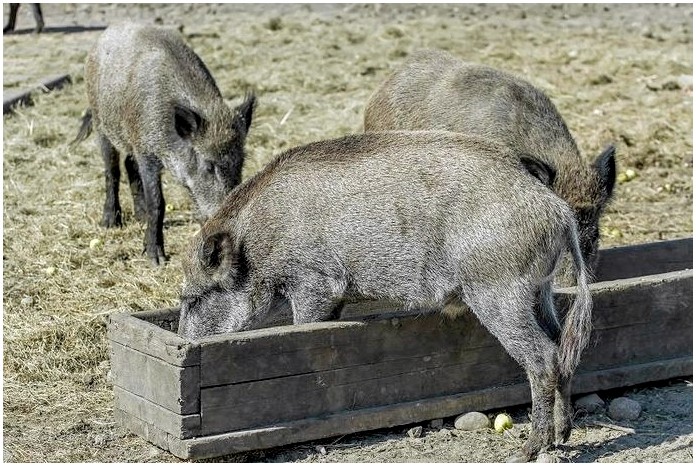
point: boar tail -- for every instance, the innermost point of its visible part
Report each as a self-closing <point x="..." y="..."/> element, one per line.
<point x="85" y="127"/>
<point x="578" y="323"/>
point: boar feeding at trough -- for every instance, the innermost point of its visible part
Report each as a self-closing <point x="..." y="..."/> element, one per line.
<point x="422" y="218"/>
<point x="434" y="90"/>
<point x="153" y="100"/>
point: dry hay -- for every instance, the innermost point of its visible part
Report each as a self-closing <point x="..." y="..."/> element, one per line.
<point x="313" y="72"/>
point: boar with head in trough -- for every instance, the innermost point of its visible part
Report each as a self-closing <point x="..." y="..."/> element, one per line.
<point x="425" y="218"/>
<point x="434" y="90"/>
<point x="153" y="100"/>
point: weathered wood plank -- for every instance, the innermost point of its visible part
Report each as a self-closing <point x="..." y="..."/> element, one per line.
<point x="254" y="404"/>
<point x="411" y="412"/>
<point x="179" y="425"/>
<point x="428" y="356"/>
<point x="152" y="433"/>
<point x="645" y="259"/>
<point x="330" y="345"/>
<point x="172" y="387"/>
<point x="234" y="358"/>
<point x="12" y="99"/>
<point x="134" y="331"/>
<point x="640" y="320"/>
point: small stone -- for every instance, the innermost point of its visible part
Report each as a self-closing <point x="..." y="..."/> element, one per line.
<point x="472" y="421"/>
<point x="686" y="81"/>
<point x="546" y="458"/>
<point x="320" y="449"/>
<point x="415" y="432"/>
<point x="590" y="404"/>
<point x="624" y="409"/>
<point x="95" y="243"/>
<point x="101" y="440"/>
<point x="670" y="85"/>
<point x="27" y="301"/>
<point x="601" y="79"/>
<point x="436" y="424"/>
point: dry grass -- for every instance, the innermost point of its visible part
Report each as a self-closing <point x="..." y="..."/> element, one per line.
<point x="313" y="72"/>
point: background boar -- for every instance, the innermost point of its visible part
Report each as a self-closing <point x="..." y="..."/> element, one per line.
<point x="424" y="218"/>
<point x="12" y="20"/>
<point x="153" y="100"/>
<point x="434" y="90"/>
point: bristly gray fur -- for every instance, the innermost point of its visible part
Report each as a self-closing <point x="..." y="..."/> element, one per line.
<point x="433" y="90"/>
<point x="153" y="100"/>
<point x="423" y="218"/>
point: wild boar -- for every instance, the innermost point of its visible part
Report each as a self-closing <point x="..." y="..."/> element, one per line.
<point x="428" y="219"/>
<point x="434" y="90"/>
<point x="12" y="20"/>
<point x="153" y="100"/>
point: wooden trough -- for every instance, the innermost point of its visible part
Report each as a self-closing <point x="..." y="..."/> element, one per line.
<point x="282" y="385"/>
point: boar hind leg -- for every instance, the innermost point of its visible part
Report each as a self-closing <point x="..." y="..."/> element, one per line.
<point x="508" y="313"/>
<point x="563" y="409"/>
<point x="136" y="187"/>
<point x="150" y="173"/>
<point x="38" y="17"/>
<point x="14" y="7"/>
<point x="112" y="173"/>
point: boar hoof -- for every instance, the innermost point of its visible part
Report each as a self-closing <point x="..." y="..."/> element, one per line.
<point x="157" y="256"/>
<point x="519" y="457"/>
<point x="111" y="219"/>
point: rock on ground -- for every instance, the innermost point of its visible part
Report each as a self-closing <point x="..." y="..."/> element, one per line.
<point x="472" y="421"/>
<point x="590" y="404"/>
<point x="624" y="409"/>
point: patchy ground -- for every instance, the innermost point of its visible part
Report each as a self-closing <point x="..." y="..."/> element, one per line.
<point x="618" y="73"/>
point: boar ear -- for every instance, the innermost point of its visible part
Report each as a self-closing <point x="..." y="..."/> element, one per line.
<point x="186" y="121"/>
<point x="214" y="251"/>
<point x="605" y="166"/>
<point x="219" y="253"/>
<point x="245" y="110"/>
<point x="539" y="169"/>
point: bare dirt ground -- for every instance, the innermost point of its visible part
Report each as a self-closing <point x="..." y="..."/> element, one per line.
<point x="618" y="73"/>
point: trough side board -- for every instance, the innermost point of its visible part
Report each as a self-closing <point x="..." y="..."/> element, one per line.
<point x="384" y="416"/>
<point x="396" y="360"/>
<point x="171" y="387"/>
<point x="645" y="259"/>
<point x="229" y="393"/>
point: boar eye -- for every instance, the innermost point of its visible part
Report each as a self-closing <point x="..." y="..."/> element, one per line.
<point x="209" y="167"/>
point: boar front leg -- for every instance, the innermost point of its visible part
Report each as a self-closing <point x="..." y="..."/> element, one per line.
<point x="150" y="170"/>
<point x="136" y="187"/>
<point x="14" y="7"/>
<point x="112" y="173"/>
<point x="313" y="301"/>
<point x="38" y="17"/>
